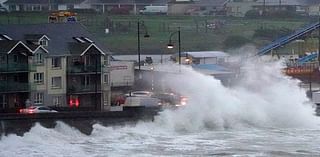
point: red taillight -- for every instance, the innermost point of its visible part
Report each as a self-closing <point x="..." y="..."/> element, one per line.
<point x="77" y="102"/>
<point x="21" y="110"/>
<point x="71" y="103"/>
<point x="30" y="111"/>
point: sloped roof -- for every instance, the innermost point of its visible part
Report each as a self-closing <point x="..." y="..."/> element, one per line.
<point x="60" y="34"/>
<point x="44" y="1"/>
<point x="33" y="37"/>
<point x="27" y="2"/>
<point x="7" y="45"/>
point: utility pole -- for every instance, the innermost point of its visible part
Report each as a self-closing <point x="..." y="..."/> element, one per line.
<point x="138" y="35"/>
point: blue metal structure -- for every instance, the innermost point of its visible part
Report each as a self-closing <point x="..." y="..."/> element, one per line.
<point x="308" y="58"/>
<point x="286" y="39"/>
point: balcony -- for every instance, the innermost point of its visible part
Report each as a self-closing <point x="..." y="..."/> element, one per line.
<point x="84" y="69"/>
<point x="84" y="88"/>
<point x="11" y="68"/>
<point x="9" y="87"/>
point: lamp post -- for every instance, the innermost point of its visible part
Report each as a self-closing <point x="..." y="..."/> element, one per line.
<point x="146" y="35"/>
<point x="170" y="44"/>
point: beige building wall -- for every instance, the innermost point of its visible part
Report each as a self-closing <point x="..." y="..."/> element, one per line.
<point x="105" y="82"/>
<point x="56" y="72"/>
<point x="39" y="68"/>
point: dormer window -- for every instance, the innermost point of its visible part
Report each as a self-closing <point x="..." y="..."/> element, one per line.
<point x="43" y="42"/>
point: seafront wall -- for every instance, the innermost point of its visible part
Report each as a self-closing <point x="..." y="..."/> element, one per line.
<point x="83" y="121"/>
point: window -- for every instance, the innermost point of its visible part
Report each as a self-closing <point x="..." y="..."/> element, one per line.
<point x="86" y="80"/>
<point x="38" y="98"/>
<point x="3" y="101"/>
<point x="36" y="8"/>
<point x="56" y="82"/>
<point x="43" y="42"/>
<point x="106" y="60"/>
<point x="56" y="62"/>
<point x="57" y="100"/>
<point x="2" y="58"/>
<point x="38" y="78"/>
<point x="106" y="78"/>
<point x="3" y="78"/>
<point x="12" y="7"/>
<point x="15" y="58"/>
<point x="38" y="58"/>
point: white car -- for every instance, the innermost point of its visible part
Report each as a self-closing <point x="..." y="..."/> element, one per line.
<point x="139" y="93"/>
<point x="37" y="109"/>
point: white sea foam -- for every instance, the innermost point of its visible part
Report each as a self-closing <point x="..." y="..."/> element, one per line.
<point x="262" y="97"/>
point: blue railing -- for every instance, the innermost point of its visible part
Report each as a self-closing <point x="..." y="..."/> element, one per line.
<point x="286" y="39"/>
<point x="308" y="58"/>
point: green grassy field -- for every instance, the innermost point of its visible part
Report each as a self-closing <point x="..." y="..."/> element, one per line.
<point x="196" y="33"/>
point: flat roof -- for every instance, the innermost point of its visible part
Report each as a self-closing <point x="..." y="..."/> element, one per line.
<point x="206" y="54"/>
<point x="155" y="58"/>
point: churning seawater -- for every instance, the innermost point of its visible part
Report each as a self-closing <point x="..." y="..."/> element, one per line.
<point x="263" y="114"/>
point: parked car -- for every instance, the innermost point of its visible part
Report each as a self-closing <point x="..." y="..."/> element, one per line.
<point x="37" y="109"/>
<point x="142" y="101"/>
<point x="171" y="99"/>
<point x="139" y="93"/>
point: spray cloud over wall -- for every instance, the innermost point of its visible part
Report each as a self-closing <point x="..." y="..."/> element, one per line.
<point x="261" y="97"/>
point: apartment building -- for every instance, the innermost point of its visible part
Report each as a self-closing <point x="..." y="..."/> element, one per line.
<point x="57" y="64"/>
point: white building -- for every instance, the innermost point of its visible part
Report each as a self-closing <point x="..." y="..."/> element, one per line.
<point x="121" y="73"/>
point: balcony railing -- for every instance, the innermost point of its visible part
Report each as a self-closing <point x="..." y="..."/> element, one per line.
<point x="84" y="68"/>
<point x="17" y="67"/>
<point x="83" y="88"/>
<point x="15" y="87"/>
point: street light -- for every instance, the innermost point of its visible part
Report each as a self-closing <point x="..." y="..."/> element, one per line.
<point x="146" y="35"/>
<point x="171" y="46"/>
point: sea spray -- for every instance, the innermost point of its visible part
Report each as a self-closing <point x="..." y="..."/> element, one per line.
<point x="261" y="97"/>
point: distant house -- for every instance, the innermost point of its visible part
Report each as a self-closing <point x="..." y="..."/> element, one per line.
<point x="45" y="5"/>
<point x="313" y="8"/>
<point x="240" y="8"/>
<point x="199" y="7"/>
<point x="124" y="6"/>
<point x="60" y="65"/>
<point x="275" y="5"/>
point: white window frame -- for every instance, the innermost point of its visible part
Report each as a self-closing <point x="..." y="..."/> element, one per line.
<point x="38" y="78"/>
<point x="43" y="42"/>
<point x="57" y="100"/>
<point x="52" y="82"/>
<point x="38" y="98"/>
<point x="38" y="59"/>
